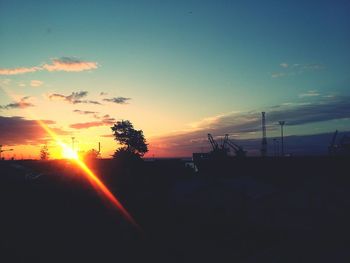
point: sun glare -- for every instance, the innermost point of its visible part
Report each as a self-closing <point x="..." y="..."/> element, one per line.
<point x="68" y="153"/>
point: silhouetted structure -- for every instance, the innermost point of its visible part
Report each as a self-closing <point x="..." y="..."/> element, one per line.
<point x="263" y="141"/>
<point x="219" y="153"/>
<point x="1" y="151"/>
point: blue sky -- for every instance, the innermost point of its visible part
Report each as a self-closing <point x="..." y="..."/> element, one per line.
<point x="180" y="62"/>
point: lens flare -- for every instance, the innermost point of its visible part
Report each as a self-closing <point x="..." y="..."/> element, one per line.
<point x="95" y="181"/>
<point x="68" y="153"/>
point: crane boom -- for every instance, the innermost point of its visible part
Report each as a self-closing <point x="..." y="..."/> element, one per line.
<point x="212" y="142"/>
<point x="223" y="146"/>
<point x="238" y="149"/>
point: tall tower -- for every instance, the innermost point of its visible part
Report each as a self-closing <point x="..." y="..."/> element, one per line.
<point x="263" y="141"/>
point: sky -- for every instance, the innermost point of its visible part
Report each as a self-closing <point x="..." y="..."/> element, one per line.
<point x="176" y="69"/>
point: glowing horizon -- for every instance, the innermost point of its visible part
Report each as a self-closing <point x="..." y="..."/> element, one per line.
<point x="176" y="69"/>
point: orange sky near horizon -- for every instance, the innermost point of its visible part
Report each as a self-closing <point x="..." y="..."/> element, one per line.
<point x="177" y="70"/>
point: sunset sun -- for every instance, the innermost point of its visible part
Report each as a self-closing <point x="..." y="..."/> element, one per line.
<point x="68" y="153"/>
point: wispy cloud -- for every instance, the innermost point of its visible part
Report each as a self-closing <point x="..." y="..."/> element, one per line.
<point x="310" y="93"/>
<point x="278" y="74"/>
<point x="21" y="104"/>
<point x="118" y="100"/>
<point x="36" y="83"/>
<point x="73" y="98"/>
<point x="68" y="64"/>
<point x="295" y="69"/>
<point x="18" y="130"/>
<point x="85" y="112"/>
<point x="104" y="121"/>
<point x="20" y="70"/>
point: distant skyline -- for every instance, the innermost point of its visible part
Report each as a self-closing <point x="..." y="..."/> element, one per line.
<point x="176" y="69"/>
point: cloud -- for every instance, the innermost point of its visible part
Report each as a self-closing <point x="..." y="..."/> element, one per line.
<point x="118" y="100"/>
<point x="106" y="120"/>
<point x="91" y="102"/>
<point x="73" y="98"/>
<point x="84" y="112"/>
<point x="69" y="64"/>
<point x="278" y="74"/>
<point x="18" y="130"/>
<point x="294" y="69"/>
<point x="107" y="135"/>
<point x="20" y="70"/>
<point x="310" y="93"/>
<point x="103" y="93"/>
<point x="36" y="83"/>
<point x="248" y="124"/>
<point x="309" y="66"/>
<point x="21" y="104"/>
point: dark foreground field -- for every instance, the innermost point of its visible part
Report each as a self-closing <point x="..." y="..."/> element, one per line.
<point x="254" y="210"/>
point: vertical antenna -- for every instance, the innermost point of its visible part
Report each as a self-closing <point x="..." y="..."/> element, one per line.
<point x="263" y="141"/>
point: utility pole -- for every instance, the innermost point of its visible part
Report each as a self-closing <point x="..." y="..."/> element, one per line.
<point x="73" y="143"/>
<point x="263" y="141"/>
<point x="281" y="123"/>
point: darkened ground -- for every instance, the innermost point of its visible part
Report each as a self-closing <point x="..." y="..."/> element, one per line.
<point x="253" y="210"/>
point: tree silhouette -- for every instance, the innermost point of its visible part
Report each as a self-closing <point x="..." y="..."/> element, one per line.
<point x="44" y="153"/>
<point x="133" y="142"/>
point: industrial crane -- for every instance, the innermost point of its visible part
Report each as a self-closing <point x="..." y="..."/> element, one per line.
<point x="213" y="143"/>
<point x="1" y="151"/>
<point x="225" y="147"/>
<point x="237" y="149"/>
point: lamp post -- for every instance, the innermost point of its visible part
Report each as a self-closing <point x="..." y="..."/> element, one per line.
<point x="281" y="123"/>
